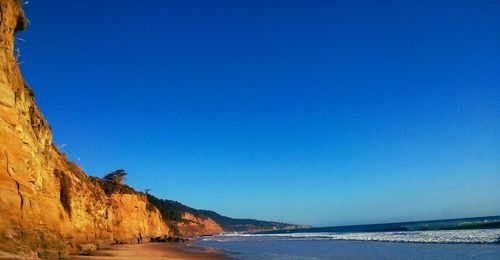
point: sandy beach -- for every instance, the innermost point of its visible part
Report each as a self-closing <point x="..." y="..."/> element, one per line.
<point x="154" y="251"/>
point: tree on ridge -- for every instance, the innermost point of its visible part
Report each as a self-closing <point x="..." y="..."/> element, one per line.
<point x="117" y="177"/>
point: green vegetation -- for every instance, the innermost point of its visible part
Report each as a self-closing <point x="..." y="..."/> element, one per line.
<point x="240" y="225"/>
<point x="171" y="210"/>
<point x="113" y="183"/>
<point x="116" y="177"/>
<point x="111" y="187"/>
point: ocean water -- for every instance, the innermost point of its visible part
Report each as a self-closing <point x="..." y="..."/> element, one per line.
<point x="475" y="238"/>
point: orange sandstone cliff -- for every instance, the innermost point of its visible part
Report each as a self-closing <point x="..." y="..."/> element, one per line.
<point x="49" y="208"/>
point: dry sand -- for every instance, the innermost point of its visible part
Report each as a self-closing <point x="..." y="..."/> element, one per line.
<point x="154" y="251"/>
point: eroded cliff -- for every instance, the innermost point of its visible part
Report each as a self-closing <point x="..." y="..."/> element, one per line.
<point x="49" y="208"/>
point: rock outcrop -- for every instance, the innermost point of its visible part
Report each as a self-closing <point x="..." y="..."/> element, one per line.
<point x="49" y="208"/>
<point x="194" y="225"/>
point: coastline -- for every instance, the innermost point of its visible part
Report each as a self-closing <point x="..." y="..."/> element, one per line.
<point x="154" y="251"/>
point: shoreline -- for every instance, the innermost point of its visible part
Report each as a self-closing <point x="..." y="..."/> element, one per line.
<point x="154" y="250"/>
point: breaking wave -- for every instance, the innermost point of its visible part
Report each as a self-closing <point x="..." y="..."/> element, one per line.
<point x="474" y="236"/>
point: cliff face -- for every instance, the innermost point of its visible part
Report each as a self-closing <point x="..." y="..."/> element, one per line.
<point x="48" y="206"/>
<point x="193" y="225"/>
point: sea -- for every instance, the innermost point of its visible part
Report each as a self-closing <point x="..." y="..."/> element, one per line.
<point x="467" y="238"/>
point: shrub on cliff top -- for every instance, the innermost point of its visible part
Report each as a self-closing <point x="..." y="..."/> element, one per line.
<point x="110" y="188"/>
<point x="114" y="183"/>
<point x="117" y="177"/>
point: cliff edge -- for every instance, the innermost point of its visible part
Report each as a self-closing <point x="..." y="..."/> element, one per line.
<point x="49" y="208"/>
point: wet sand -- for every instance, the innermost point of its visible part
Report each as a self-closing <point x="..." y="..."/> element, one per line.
<point x="154" y="251"/>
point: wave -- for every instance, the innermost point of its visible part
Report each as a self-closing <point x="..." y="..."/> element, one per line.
<point x="475" y="236"/>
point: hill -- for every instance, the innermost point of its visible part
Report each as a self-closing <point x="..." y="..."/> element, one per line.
<point x="245" y="225"/>
<point x="173" y="210"/>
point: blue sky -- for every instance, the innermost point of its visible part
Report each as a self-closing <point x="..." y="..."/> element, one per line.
<point x="310" y="112"/>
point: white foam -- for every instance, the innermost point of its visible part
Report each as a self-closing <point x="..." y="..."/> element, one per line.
<point x="474" y="236"/>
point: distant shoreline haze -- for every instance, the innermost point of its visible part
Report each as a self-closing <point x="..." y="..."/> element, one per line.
<point x="487" y="222"/>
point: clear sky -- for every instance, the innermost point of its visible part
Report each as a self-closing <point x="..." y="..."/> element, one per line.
<point x="310" y="112"/>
